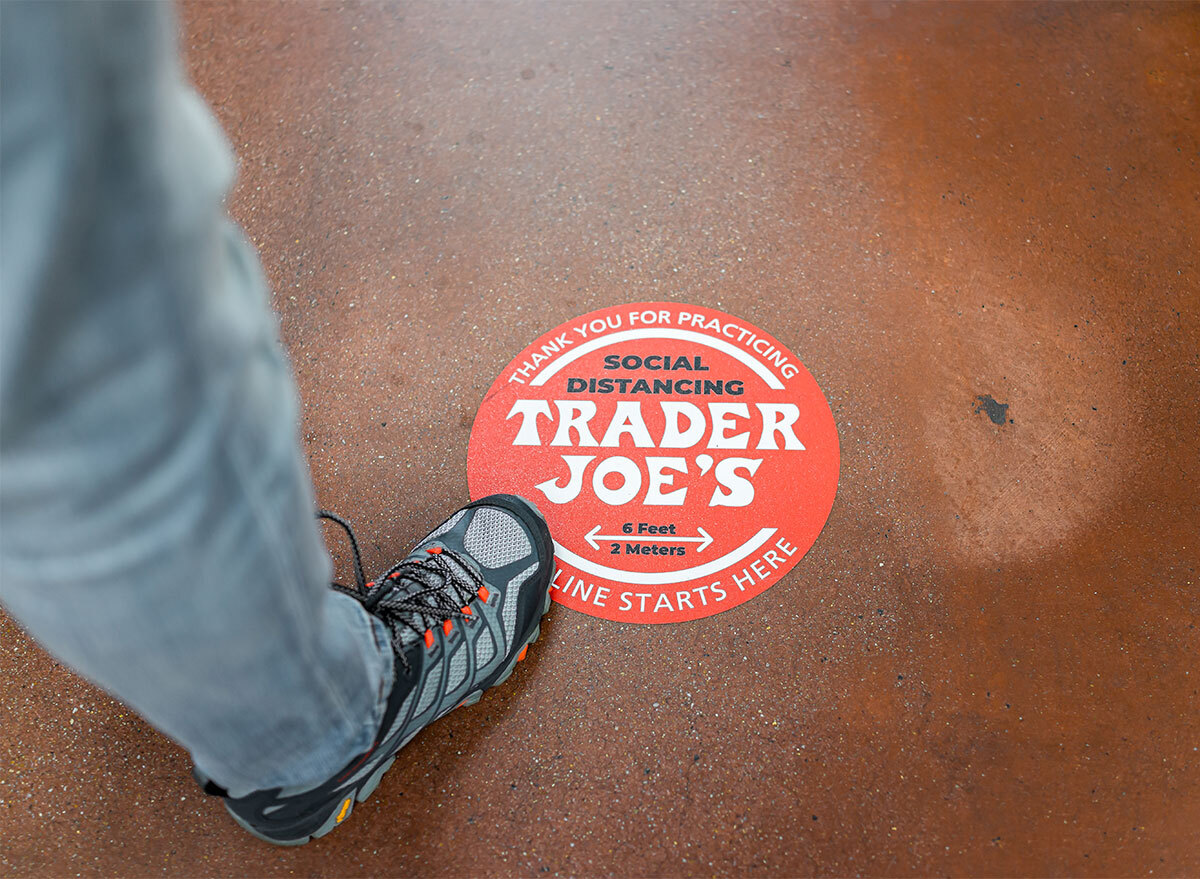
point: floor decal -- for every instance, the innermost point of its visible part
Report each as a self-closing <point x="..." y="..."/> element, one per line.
<point x="685" y="459"/>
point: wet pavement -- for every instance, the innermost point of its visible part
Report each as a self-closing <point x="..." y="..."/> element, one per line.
<point x="976" y="225"/>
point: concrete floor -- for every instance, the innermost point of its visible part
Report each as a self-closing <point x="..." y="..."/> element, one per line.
<point x="987" y="664"/>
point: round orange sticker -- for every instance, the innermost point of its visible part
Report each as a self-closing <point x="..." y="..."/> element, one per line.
<point x="684" y="459"/>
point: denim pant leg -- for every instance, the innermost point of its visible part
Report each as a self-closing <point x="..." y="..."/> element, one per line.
<point x="157" y="527"/>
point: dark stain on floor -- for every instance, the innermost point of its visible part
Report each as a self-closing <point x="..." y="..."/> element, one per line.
<point x="997" y="412"/>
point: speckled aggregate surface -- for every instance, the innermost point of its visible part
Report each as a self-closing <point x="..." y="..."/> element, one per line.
<point x="987" y="664"/>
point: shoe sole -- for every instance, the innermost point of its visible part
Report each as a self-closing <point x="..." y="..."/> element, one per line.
<point x="339" y="816"/>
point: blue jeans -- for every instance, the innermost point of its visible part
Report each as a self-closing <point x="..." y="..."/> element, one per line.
<point x="157" y="527"/>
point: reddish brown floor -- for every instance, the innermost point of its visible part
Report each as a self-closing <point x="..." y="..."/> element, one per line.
<point x="988" y="662"/>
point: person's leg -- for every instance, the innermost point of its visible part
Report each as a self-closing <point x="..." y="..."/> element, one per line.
<point x="158" y="528"/>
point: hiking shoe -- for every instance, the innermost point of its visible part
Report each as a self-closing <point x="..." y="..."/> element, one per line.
<point x="463" y="608"/>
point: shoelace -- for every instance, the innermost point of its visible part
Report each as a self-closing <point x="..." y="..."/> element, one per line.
<point x="413" y="595"/>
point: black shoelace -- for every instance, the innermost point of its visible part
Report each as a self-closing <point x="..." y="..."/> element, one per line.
<point x="413" y="595"/>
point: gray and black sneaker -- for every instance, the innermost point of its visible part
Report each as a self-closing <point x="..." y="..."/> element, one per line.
<point x="463" y="608"/>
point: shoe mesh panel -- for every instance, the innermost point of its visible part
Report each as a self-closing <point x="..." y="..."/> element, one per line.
<point x="486" y="650"/>
<point x="458" y="668"/>
<point x="445" y="526"/>
<point x="511" y="593"/>
<point x="494" y="538"/>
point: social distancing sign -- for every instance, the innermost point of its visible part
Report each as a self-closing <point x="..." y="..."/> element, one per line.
<point x="684" y="459"/>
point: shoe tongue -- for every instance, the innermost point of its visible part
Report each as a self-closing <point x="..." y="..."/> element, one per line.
<point x="417" y="581"/>
<point x="407" y="588"/>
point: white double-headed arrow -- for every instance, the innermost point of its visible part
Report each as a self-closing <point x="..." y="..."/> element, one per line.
<point x="593" y="538"/>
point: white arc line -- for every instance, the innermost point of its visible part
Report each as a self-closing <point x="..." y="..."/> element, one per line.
<point x="683" y="335"/>
<point x="704" y="539"/>
<point x="664" y="578"/>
